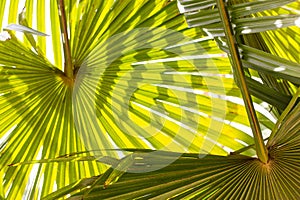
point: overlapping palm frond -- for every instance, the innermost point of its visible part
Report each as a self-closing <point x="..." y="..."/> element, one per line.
<point x="233" y="176"/>
<point x="211" y="177"/>
<point x="261" y="28"/>
<point x="141" y="79"/>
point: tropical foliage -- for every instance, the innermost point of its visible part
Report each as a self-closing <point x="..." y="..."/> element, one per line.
<point x="150" y="99"/>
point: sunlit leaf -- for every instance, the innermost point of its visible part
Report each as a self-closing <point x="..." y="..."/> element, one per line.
<point x="146" y="82"/>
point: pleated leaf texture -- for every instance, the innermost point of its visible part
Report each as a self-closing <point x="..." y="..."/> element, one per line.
<point x="140" y="100"/>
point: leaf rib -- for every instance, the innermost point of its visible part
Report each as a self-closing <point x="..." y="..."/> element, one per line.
<point x="240" y="75"/>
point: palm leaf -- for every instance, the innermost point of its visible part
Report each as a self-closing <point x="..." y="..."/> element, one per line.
<point x="211" y="177"/>
<point x="165" y="75"/>
<point x="36" y="98"/>
<point x="261" y="17"/>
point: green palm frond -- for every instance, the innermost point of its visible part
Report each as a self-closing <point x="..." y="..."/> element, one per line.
<point x="277" y="26"/>
<point x="137" y="84"/>
<point x="211" y="177"/>
<point x="36" y="97"/>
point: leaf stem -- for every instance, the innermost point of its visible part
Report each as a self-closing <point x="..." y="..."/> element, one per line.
<point x="68" y="67"/>
<point x="261" y="149"/>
